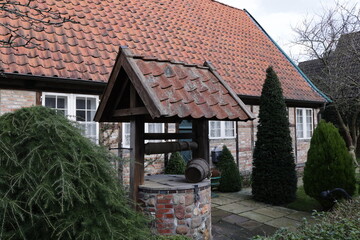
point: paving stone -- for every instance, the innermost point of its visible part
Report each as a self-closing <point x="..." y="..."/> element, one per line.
<point x="256" y="216"/>
<point x="224" y="230"/>
<point x="235" y="219"/>
<point x="284" y="210"/>
<point x="235" y="208"/>
<point x="264" y="230"/>
<point x="250" y="225"/>
<point x="237" y="195"/>
<point x="253" y="203"/>
<point x="222" y="200"/>
<point x="299" y="216"/>
<point x="271" y="212"/>
<point x="284" y="222"/>
<point x="218" y="214"/>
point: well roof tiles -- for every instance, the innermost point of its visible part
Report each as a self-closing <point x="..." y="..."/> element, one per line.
<point x="189" y="31"/>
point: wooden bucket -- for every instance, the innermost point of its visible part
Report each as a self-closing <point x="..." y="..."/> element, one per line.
<point x="197" y="170"/>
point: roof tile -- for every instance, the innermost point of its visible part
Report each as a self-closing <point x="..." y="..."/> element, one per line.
<point x="190" y="31"/>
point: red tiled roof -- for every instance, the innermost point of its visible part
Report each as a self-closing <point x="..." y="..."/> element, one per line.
<point x="190" y="31"/>
<point x="175" y="89"/>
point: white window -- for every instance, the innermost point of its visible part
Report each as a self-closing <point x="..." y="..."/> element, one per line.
<point x="221" y="129"/>
<point x="304" y="123"/>
<point x="79" y="108"/>
<point x="149" y="128"/>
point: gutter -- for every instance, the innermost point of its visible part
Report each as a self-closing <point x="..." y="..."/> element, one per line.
<point x="288" y="58"/>
<point x="43" y="83"/>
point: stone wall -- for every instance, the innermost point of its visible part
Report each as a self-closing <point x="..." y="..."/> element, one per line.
<point x="177" y="207"/>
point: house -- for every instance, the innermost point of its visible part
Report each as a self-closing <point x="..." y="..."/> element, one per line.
<point x="338" y="74"/>
<point x="66" y="66"/>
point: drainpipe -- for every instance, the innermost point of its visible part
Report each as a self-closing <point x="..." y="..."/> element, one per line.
<point x="237" y="143"/>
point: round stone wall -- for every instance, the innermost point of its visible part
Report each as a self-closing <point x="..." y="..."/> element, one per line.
<point x="177" y="207"/>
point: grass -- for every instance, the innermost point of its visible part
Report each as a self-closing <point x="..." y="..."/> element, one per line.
<point x="303" y="202"/>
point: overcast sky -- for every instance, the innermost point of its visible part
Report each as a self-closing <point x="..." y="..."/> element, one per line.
<point x="278" y="16"/>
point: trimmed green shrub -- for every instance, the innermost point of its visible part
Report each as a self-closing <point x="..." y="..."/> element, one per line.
<point x="273" y="175"/>
<point x="176" y="164"/>
<point x="340" y="224"/>
<point x="230" y="180"/>
<point x="56" y="184"/>
<point x="329" y="164"/>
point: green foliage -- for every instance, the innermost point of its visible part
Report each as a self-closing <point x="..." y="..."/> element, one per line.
<point x="56" y="184"/>
<point x="230" y="180"/>
<point x="173" y="237"/>
<point x="273" y="176"/>
<point x="329" y="164"/>
<point x="176" y="164"/>
<point x="303" y="202"/>
<point x="340" y="224"/>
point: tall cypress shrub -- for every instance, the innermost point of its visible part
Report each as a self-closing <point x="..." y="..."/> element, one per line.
<point x="273" y="176"/>
<point x="230" y="180"/>
<point x="329" y="164"/>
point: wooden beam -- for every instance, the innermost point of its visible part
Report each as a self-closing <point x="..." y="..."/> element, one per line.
<point x="200" y="129"/>
<point x="136" y="157"/>
<point x="130" y="112"/>
<point x="164" y="136"/>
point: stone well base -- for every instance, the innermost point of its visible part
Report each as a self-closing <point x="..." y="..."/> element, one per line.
<point x="176" y="206"/>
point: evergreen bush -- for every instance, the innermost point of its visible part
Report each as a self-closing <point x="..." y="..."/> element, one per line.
<point x="329" y="164"/>
<point x="56" y="184"/>
<point x="230" y="180"/>
<point x="176" y="164"/>
<point x="273" y="175"/>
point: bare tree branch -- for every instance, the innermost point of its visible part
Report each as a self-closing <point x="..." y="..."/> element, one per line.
<point x="36" y="16"/>
<point x="332" y="40"/>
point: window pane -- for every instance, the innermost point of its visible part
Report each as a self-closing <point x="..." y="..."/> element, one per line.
<point x="299" y="123"/>
<point x="90" y="115"/>
<point x="126" y="134"/>
<point x="80" y="103"/>
<point x="215" y="130"/>
<point x="50" y="101"/>
<point x="80" y="116"/>
<point x="61" y="102"/>
<point x="229" y="129"/>
<point x="91" y="103"/>
<point x="309" y="124"/>
<point x="155" y="128"/>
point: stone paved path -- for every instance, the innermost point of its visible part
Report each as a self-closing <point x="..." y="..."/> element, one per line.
<point x="236" y="216"/>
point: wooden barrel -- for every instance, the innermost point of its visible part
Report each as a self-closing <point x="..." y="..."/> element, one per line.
<point x="197" y="170"/>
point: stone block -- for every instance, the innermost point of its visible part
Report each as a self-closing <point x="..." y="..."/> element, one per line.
<point x="182" y="229"/>
<point x="179" y="211"/>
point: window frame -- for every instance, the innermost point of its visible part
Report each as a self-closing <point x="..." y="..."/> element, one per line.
<point x="71" y="108"/>
<point x="223" y="130"/>
<point x="304" y="123"/>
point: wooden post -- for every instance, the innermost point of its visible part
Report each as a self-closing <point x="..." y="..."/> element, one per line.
<point x="136" y="157"/>
<point x="200" y="130"/>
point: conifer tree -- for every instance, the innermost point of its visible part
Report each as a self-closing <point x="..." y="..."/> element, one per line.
<point x="57" y="184"/>
<point x="329" y="165"/>
<point x="176" y="164"/>
<point x="273" y="176"/>
<point x="230" y="180"/>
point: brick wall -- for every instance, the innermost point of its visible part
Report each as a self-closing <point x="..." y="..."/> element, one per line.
<point x="11" y="100"/>
<point x="247" y="137"/>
